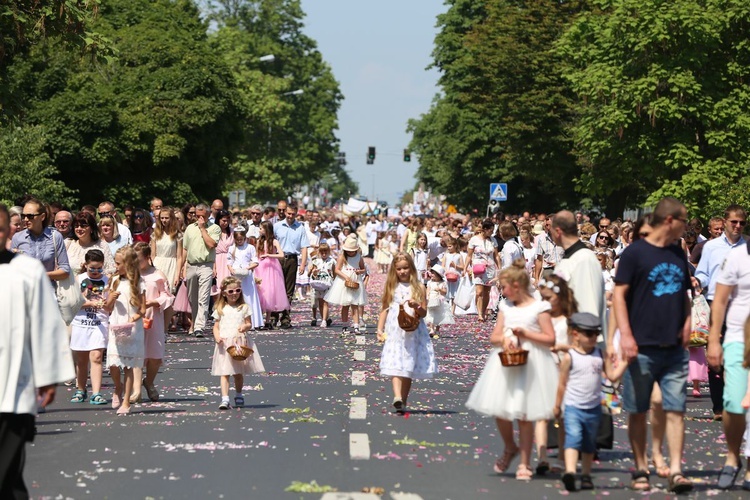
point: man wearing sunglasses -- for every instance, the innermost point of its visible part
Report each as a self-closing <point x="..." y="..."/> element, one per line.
<point x="707" y="273"/>
<point x="253" y="223"/>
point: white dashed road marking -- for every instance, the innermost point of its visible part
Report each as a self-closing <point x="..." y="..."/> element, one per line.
<point x="359" y="355"/>
<point x="358" y="378"/>
<point x="358" y="409"/>
<point x="359" y="446"/>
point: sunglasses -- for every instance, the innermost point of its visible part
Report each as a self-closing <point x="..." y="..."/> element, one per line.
<point x="234" y="290"/>
<point x="139" y="216"/>
<point x="740" y="223"/>
<point x="602" y="237"/>
<point x="191" y="213"/>
<point x="80" y="224"/>
<point x="95" y="269"/>
<point x="104" y="214"/>
<point x="30" y="216"/>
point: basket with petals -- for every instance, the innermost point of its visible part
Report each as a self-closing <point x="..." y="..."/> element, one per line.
<point x="514" y="357"/>
<point x="239" y="350"/>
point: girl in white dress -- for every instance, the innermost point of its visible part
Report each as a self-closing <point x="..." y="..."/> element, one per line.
<point x="242" y="259"/>
<point x="419" y="254"/>
<point x="525" y="393"/>
<point x="556" y="291"/>
<point x="453" y="262"/>
<point x="349" y="266"/>
<point x="126" y="304"/>
<point x="438" y="309"/>
<point x="231" y="324"/>
<point x="89" y="329"/>
<point x="406" y="355"/>
<point x="166" y="246"/>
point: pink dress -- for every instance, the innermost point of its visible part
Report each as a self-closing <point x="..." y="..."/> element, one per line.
<point x="222" y="247"/>
<point x="697" y="366"/>
<point x="156" y="289"/>
<point x="272" y="289"/>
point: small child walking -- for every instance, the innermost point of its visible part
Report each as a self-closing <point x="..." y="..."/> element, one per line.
<point x="232" y="321"/>
<point x="419" y="253"/>
<point x="579" y="397"/>
<point x="524" y="393"/>
<point x="406" y="355"/>
<point x="126" y="303"/>
<point x="563" y="305"/>
<point x="350" y="268"/>
<point x="89" y="329"/>
<point x="438" y="308"/>
<point x="321" y="272"/>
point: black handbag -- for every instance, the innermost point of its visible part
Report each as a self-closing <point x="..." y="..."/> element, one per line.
<point x="605" y="435"/>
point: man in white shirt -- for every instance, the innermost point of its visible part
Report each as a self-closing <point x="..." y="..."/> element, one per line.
<point x="34" y="356"/>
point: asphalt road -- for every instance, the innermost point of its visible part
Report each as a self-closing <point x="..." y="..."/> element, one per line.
<point x="319" y="419"/>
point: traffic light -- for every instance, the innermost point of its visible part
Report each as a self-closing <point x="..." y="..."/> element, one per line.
<point x="371" y="154"/>
<point x="407" y="155"/>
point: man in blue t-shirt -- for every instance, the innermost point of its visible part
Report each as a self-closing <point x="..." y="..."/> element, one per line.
<point x="652" y="308"/>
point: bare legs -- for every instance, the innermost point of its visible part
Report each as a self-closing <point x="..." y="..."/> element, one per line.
<point x="483" y="300"/>
<point x="401" y="388"/>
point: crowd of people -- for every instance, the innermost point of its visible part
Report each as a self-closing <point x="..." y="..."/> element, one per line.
<point x="580" y="305"/>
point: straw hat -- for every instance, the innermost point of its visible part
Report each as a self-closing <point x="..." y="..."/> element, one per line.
<point x="438" y="269"/>
<point x="350" y="244"/>
<point x="538" y="228"/>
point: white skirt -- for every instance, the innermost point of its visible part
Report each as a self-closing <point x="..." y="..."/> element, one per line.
<point x="524" y="392"/>
<point x="340" y="295"/>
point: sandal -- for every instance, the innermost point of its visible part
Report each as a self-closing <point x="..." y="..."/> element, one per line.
<point x="661" y="470"/>
<point x="502" y="463"/>
<point x="569" y="481"/>
<point x="728" y="475"/>
<point x="153" y="394"/>
<point x="586" y="482"/>
<point x="79" y="396"/>
<point x="678" y="483"/>
<point x="640" y="481"/>
<point x="97" y="399"/>
<point x="523" y="473"/>
<point x="542" y="468"/>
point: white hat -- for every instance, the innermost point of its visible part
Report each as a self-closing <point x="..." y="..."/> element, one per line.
<point x="350" y="244"/>
<point x="239" y="228"/>
<point x="438" y="269"/>
<point x="538" y="228"/>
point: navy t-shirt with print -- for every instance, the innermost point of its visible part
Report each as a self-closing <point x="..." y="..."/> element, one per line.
<point x="659" y="279"/>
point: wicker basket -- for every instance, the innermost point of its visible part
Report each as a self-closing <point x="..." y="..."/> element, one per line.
<point x="354" y="285"/>
<point x="516" y="357"/>
<point x="239" y="352"/>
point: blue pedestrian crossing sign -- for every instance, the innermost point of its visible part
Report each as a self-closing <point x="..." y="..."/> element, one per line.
<point x="499" y="191"/>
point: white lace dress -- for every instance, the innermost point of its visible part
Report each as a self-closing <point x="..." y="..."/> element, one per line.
<point x="438" y="308"/>
<point x="126" y="345"/>
<point x="524" y="392"/>
<point x="406" y="354"/>
<point x="339" y="294"/>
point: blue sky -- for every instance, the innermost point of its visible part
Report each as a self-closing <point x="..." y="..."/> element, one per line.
<point x="378" y="52"/>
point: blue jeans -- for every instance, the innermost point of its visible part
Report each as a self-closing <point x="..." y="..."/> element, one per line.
<point x="668" y="367"/>
<point x="581" y="427"/>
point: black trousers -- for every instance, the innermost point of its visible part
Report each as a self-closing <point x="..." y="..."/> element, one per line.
<point x="716" y="379"/>
<point x="289" y="269"/>
<point x="15" y="431"/>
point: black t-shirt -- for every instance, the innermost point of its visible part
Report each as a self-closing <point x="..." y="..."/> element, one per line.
<point x="659" y="280"/>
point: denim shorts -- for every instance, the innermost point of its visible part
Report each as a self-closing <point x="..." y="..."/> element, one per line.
<point x="668" y="367"/>
<point x="735" y="377"/>
<point x="581" y="427"/>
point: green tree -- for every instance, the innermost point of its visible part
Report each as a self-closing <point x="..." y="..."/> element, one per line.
<point x="166" y="111"/>
<point x="289" y="136"/>
<point x="504" y="107"/>
<point x="663" y="100"/>
<point x="27" y="168"/>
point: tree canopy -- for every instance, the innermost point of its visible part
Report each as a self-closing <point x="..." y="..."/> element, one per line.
<point x="611" y="102"/>
<point x="186" y="110"/>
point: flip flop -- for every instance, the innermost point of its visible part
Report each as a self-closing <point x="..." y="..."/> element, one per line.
<point x="678" y="483"/>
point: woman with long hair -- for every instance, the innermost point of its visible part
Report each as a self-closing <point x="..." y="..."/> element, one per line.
<point x="270" y="277"/>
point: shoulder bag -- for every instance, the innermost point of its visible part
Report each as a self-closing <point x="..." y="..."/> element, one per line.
<point x="406" y="321"/>
<point x="69" y="296"/>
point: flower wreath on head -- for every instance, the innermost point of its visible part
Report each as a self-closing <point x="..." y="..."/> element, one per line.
<point x="549" y="284"/>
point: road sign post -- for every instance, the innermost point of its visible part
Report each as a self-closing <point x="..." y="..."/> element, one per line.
<point x="498" y="193"/>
